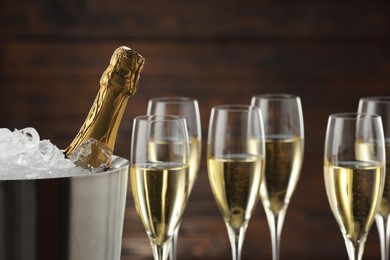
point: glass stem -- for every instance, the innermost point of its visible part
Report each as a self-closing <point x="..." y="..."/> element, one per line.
<point x="275" y="222"/>
<point x="236" y="238"/>
<point x="172" y="251"/>
<point x="161" y="252"/>
<point x="384" y="234"/>
<point x="355" y="249"/>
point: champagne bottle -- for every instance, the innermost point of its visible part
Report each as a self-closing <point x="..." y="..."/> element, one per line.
<point x="94" y="144"/>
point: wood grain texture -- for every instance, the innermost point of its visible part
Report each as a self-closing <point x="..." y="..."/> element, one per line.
<point x="196" y="19"/>
<point x="330" y="53"/>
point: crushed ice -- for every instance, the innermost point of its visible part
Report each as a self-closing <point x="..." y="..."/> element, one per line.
<point x="24" y="156"/>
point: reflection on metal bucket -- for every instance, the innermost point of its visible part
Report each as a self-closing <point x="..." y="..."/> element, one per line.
<point x="64" y="218"/>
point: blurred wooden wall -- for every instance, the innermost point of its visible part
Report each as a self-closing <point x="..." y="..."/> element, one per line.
<point x="330" y="53"/>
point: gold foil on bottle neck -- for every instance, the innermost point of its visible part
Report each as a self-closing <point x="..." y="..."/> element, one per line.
<point x="124" y="71"/>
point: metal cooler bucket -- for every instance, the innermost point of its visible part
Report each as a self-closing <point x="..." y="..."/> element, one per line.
<point x="64" y="218"/>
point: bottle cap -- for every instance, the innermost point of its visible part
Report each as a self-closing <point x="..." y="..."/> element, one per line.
<point x="124" y="71"/>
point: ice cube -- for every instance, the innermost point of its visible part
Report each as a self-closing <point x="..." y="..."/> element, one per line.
<point x="5" y="133"/>
<point x="93" y="155"/>
<point x="24" y="155"/>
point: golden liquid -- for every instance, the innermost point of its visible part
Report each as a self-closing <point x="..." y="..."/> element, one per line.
<point x="282" y="168"/>
<point x="365" y="152"/>
<point x="118" y="82"/>
<point x="160" y="193"/>
<point x="354" y="190"/>
<point x="235" y="182"/>
<point x="166" y="151"/>
<point x="194" y="160"/>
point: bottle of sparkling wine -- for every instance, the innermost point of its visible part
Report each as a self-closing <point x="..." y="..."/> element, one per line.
<point x="94" y="144"/>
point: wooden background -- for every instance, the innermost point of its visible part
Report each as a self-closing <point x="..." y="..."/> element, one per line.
<point x="330" y="53"/>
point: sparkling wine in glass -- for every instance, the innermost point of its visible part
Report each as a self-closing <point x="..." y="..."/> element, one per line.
<point x="354" y="174"/>
<point x="160" y="176"/>
<point x="188" y="108"/>
<point x="380" y="105"/>
<point x="235" y="160"/>
<point x="284" y="142"/>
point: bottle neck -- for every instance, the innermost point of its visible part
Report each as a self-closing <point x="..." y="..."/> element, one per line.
<point x="118" y="82"/>
<point x="103" y="119"/>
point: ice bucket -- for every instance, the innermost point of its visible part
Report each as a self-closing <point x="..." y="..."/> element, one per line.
<point x="64" y="218"/>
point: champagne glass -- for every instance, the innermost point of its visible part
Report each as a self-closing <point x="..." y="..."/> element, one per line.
<point x="354" y="173"/>
<point x="160" y="176"/>
<point x="189" y="109"/>
<point x="235" y="159"/>
<point x="284" y="142"/>
<point x="380" y="105"/>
